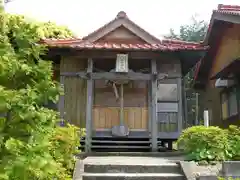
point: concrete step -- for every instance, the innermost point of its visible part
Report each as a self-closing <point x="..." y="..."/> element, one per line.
<point x="133" y="168"/>
<point x="132" y="176"/>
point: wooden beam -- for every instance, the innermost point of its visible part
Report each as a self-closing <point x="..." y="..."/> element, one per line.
<point x="107" y="54"/>
<point x="119" y="76"/>
<point x="154" y="129"/>
<point x="82" y="74"/>
<point x="89" y="108"/>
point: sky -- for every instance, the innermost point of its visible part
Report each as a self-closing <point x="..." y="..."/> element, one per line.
<point x="85" y="16"/>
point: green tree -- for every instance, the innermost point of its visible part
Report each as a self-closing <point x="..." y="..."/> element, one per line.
<point x="193" y="32"/>
<point x="51" y="30"/>
<point x="26" y="83"/>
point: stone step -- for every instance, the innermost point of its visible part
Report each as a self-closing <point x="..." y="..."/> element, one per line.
<point x="132" y="176"/>
<point x="120" y="142"/>
<point x="169" y="154"/>
<point x="119" y="147"/>
<point x="133" y="168"/>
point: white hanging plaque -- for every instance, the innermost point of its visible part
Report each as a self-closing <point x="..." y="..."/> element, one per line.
<point x="122" y="63"/>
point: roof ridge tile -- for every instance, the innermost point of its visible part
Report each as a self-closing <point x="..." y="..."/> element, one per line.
<point x="228" y="7"/>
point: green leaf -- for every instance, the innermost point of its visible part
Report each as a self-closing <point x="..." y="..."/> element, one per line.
<point x="210" y="157"/>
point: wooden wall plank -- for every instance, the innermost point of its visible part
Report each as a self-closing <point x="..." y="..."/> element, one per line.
<point x="107" y="117"/>
<point x="75" y="91"/>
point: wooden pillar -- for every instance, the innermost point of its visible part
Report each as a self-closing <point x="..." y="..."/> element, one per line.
<point x="180" y="105"/>
<point x="88" y="139"/>
<point x="154" y="129"/>
<point x="149" y="106"/>
<point x="61" y="107"/>
<point x="121" y="106"/>
<point x="185" y="105"/>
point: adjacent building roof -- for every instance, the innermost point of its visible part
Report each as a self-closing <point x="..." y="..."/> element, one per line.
<point x="231" y="68"/>
<point x="224" y="14"/>
<point x="228" y="9"/>
<point x="149" y="42"/>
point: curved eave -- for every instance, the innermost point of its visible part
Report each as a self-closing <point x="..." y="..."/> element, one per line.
<point x="144" y="47"/>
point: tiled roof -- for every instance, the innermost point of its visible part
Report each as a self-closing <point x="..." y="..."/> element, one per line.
<point x="228" y="9"/>
<point x="154" y="44"/>
<point x="165" y="45"/>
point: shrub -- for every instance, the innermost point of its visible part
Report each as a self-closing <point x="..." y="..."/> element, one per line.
<point x="228" y="178"/>
<point x="205" y="143"/>
<point x="234" y="142"/>
<point x="64" y="145"/>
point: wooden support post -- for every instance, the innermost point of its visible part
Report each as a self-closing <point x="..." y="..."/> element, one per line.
<point x="121" y="106"/>
<point x="61" y="107"/>
<point x="180" y="104"/>
<point x="154" y="130"/>
<point x="196" y="110"/>
<point x="185" y="106"/>
<point x="149" y="106"/>
<point x="88" y="139"/>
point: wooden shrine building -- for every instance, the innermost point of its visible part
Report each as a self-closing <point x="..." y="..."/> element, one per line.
<point x="123" y="85"/>
<point x="217" y="75"/>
